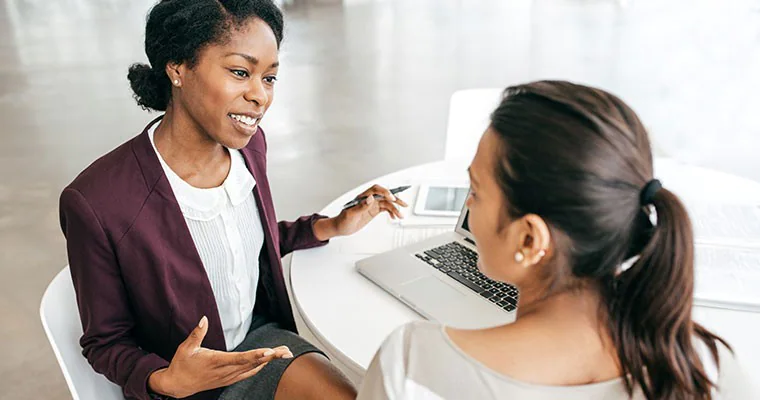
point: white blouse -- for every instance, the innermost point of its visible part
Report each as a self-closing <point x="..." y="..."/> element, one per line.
<point x="226" y="229"/>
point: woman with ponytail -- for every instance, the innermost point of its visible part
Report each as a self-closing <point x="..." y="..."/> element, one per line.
<point x="564" y="205"/>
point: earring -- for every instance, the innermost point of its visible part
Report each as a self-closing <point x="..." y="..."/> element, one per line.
<point x="176" y="82"/>
<point x="541" y="253"/>
<point x="519" y="257"/>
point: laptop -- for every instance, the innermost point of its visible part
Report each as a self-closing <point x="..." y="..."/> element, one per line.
<point x="439" y="279"/>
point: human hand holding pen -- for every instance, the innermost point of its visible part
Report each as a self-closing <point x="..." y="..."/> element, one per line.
<point x="359" y="212"/>
<point x="393" y="191"/>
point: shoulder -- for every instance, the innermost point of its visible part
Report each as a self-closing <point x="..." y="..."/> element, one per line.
<point x="392" y="373"/>
<point x="411" y="334"/>
<point x="121" y="171"/>
<point x="409" y="344"/>
<point x="105" y="171"/>
<point x="112" y="188"/>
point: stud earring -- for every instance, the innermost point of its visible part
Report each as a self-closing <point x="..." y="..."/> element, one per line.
<point x="519" y="257"/>
<point x="176" y="82"/>
<point x="541" y="253"/>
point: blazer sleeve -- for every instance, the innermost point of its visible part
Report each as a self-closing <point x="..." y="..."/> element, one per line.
<point x="104" y="309"/>
<point x="299" y="234"/>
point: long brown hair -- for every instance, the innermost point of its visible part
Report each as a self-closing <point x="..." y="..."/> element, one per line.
<point x="579" y="158"/>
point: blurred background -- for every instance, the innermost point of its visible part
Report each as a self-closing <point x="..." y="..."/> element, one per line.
<point x="363" y="90"/>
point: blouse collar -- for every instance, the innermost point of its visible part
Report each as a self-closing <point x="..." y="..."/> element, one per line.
<point x="206" y="204"/>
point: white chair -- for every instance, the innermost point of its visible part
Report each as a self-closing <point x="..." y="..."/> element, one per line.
<point x="469" y="116"/>
<point x="60" y="318"/>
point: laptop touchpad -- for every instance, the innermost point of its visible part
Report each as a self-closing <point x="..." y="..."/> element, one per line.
<point x="430" y="293"/>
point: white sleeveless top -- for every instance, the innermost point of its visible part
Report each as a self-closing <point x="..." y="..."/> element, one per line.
<point x="419" y="361"/>
<point x="226" y="229"/>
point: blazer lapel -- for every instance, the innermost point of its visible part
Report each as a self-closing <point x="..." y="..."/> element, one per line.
<point x="273" y="275"/>
<point x="267" y="220"/>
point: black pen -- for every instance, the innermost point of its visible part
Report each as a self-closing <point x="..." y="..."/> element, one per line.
<point x="358" y="200"/>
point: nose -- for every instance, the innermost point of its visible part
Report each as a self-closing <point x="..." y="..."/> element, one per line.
<point x="256" y="93"/>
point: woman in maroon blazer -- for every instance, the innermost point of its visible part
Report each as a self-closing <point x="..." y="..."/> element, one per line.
<point x="172" y="238"/>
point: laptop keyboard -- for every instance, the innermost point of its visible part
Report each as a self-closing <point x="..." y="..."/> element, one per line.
<point x="460" y="263"/>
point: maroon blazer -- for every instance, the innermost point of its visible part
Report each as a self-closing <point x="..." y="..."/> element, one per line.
<point x="140" y="284"/>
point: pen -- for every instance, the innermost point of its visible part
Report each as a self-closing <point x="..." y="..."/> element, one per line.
<point x="358" y="200"/>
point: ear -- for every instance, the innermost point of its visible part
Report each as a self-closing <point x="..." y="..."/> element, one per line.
<point x="537" y="241"/>
<point x="175" y="72"/>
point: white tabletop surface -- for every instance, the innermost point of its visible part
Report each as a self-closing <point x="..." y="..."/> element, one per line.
<point x="351" y="316"/>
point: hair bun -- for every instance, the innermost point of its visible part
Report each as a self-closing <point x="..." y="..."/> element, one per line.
<point x="151" y="88"/>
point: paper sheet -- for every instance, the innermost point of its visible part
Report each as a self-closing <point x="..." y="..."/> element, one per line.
<point x="727" y="277"/>
<point x="727" y="255"/>
<point x="728" y="225"/>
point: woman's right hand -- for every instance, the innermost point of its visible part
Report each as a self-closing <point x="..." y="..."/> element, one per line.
<point x="195" y="369"/>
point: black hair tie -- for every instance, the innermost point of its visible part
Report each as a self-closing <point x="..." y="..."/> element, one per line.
<point x="650" y="189"/>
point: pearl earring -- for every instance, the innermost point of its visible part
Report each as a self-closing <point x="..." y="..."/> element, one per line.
<point x="519" y="257"/>
<point x="176" y="82"/>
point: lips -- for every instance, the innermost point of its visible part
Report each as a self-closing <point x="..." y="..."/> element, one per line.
<point x="246" y="123"/>
<point x="248" y="119"/>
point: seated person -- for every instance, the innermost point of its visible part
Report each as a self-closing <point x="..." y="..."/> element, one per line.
<point x="174" y="246"/>
<point x="564" y="206"/>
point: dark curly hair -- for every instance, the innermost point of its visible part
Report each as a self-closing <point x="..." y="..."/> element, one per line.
<point x="177" y="30"/>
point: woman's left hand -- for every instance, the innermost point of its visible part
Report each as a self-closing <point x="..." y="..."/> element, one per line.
<point x="351" y="220"/>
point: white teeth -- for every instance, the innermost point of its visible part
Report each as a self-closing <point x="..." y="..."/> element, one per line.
<point x="245" y="119"/>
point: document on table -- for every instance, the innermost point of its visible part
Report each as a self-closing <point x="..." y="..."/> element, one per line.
<point x="727" y="277"/>
<point x="727" y="255"/>
<point x="726" y="225"/>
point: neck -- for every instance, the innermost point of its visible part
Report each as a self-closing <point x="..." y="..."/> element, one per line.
<point x="567" y="301"/>
<point x="569" y="326"/>
<point x="189" y="151"/>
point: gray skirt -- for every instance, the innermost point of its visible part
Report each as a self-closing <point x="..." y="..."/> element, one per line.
<point x="263" y="385"/>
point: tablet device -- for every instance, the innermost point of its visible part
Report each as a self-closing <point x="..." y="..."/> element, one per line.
<point x="441" y="201"/>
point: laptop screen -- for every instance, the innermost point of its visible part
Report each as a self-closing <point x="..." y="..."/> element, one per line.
<point x="465" y="225"/>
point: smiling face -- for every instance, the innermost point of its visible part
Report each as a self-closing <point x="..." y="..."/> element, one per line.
<point x="231" y="86"/>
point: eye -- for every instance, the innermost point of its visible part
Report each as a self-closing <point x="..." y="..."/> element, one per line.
<point x="240" y="73"/>
<point x="270" y="79"/>
<point x="470" y="198"/>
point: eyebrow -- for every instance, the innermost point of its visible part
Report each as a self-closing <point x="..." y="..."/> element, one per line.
<point x="472" y="178"/>
<point x="251" y="59"/>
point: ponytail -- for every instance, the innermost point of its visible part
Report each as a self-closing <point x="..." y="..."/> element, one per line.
<point x="650" y="312"/>
<point x="580" y="158"/>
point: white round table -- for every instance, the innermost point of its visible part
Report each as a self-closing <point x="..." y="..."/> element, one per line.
<point x="350" y="316"/>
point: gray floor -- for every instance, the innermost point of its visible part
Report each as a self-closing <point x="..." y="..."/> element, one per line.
<point x="364" y="91"/>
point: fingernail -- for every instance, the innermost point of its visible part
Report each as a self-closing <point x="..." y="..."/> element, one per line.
<point x="288" y="356"/>
<point x="203" y="322"/>
<point x="268" y="353"/>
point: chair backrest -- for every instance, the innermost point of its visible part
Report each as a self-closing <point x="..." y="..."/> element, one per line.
<point x="60" y="319"/>
<point x="469" y="116"/>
